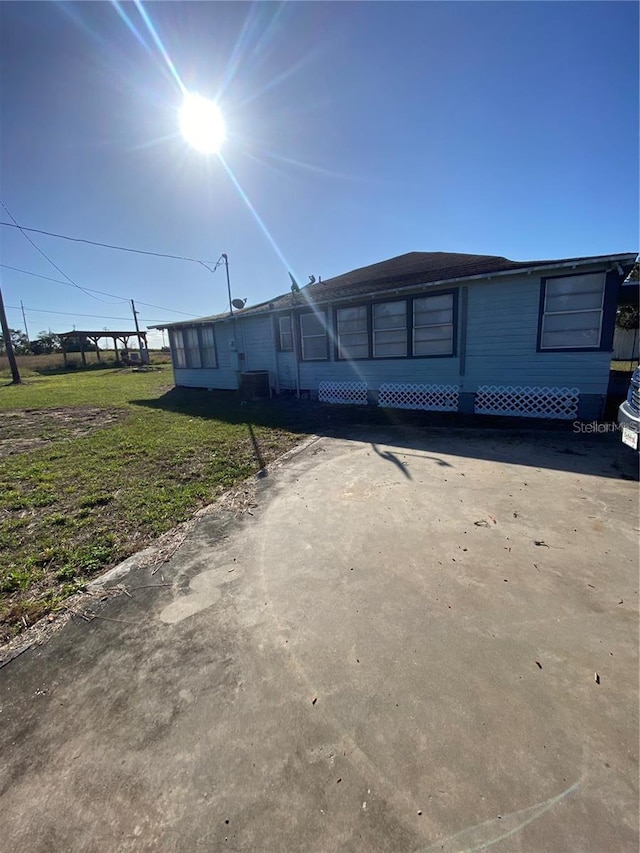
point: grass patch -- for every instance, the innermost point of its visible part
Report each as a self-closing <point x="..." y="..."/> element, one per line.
<point x="102" y="465"/>
<point x="95" y="464"/>
<point x="33" y="365"/>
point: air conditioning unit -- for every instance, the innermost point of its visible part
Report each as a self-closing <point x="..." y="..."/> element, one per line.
<point x="255" y="385"/>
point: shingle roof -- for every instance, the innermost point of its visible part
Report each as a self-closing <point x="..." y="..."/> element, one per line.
<point x="414" y="268"/>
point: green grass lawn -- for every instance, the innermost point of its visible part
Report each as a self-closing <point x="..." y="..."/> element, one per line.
<point x="89" y="476"/>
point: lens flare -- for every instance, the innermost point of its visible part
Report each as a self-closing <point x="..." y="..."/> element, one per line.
<point x="202" y="124"/>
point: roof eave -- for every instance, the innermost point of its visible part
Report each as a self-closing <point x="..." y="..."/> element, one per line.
<point x="625" y="257"/>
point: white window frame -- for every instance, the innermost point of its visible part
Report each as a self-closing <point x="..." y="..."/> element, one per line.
<point x="320" y="315"/>
<point x="178" y="350"/>
<point x="208" y="355"/>
<point x="452" y="325"/>
<point x="283" y="333"/>
<point x="343" y="353"/>
<point x="375" y="328"/>
<point x="572" y="312"/>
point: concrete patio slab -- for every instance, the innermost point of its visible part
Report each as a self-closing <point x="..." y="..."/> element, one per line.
<point x="414" y="641"/>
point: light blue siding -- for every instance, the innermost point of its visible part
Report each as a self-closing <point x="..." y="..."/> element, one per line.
<point x="287" y="371"/>
<point x="502" y="334"/>
<point x="257" y="338"/>
<point x="499" y="349"/>
<point x="376" y="371"/>
<point x="225" y="376"/>
<point x="258" y="343"/>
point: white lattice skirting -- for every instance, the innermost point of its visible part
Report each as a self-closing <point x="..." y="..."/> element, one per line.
<point x="343" y="392"/>
<point x="433" y="398"/>
<point x="527" y="402"/>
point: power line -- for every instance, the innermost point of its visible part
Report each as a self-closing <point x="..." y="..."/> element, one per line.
<point x="23" y="231"/>
<point x="66" y="284"/>
<point x="74" y="314"/>
<point x="111" y="245"/>
<point x="149" y="305"/>
<point x="59" y="281"/>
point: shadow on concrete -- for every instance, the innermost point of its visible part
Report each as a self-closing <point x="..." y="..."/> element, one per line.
<point x="391" y="457"/>
<point x="590" y="448"/>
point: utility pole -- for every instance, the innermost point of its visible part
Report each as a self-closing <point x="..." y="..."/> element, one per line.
<point x="226" y="266"/>
<point x="144" y="357"/>
<point x="8" y="345"/>
<point x="26" y="330"/>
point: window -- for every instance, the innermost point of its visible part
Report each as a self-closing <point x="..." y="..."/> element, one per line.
<point x="192" y="347"/>
<point x="208" y="347"/>
<point x="572" y="312"/>
<point x="285" y="332"/>
<point x="353" y="335"/>
<point x="313" y="335"/>
<point x="177" y="347"/>
<point x="389" y="329"/>
<point x="433" y="325"/>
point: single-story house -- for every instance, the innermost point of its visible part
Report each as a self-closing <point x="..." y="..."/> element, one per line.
<point x="425" y="330"/>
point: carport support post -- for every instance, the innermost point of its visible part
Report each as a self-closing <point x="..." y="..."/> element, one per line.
<point x="82" y="355"/>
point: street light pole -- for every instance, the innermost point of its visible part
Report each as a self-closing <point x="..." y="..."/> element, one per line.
<point x="226" y="267"/>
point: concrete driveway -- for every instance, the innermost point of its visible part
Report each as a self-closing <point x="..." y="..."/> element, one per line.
<point x="395" y="650"/>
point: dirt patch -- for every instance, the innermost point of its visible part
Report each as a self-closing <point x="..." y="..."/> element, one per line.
<point x="27" y="429"/>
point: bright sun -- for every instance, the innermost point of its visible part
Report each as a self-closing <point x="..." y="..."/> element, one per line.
<point x="202" y="124"/>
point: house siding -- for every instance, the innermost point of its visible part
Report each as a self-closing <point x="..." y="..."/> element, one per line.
<point x="287" y="371"/>
<point x="376" y="371"/>
<point x="496" y="344"/>
<point x="256" y="337"/>
<point x="502" y="335"/>
<point x="225" y="376"/>
<point x="258" y="343"/>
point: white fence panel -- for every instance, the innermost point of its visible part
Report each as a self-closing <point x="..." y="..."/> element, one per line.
<point x="434" y="398"/>
<point x="354" y="393"/>
<point x="625" y="345"/>
<point x="527" y="401"/>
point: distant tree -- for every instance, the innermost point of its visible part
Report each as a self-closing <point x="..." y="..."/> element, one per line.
<point x="19" y="340"/>
<point x="78" y="342"/>
<point x="45" y="343"/>
<point x="627" y="315"/>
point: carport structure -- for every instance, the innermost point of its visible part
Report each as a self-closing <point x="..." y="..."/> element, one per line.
<point x="95" y="335"/>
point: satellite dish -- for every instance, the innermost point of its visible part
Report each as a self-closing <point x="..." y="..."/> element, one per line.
<point x="239" y="303"/>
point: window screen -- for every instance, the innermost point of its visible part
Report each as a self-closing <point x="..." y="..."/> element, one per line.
<point x="433" y="325"/>
<point x="353" y="337"/>
<point x="572" y="312"/>
<point x="390" y="329"/>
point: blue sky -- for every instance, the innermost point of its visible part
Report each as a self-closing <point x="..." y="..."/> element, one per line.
<point x="356" y="132"/>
